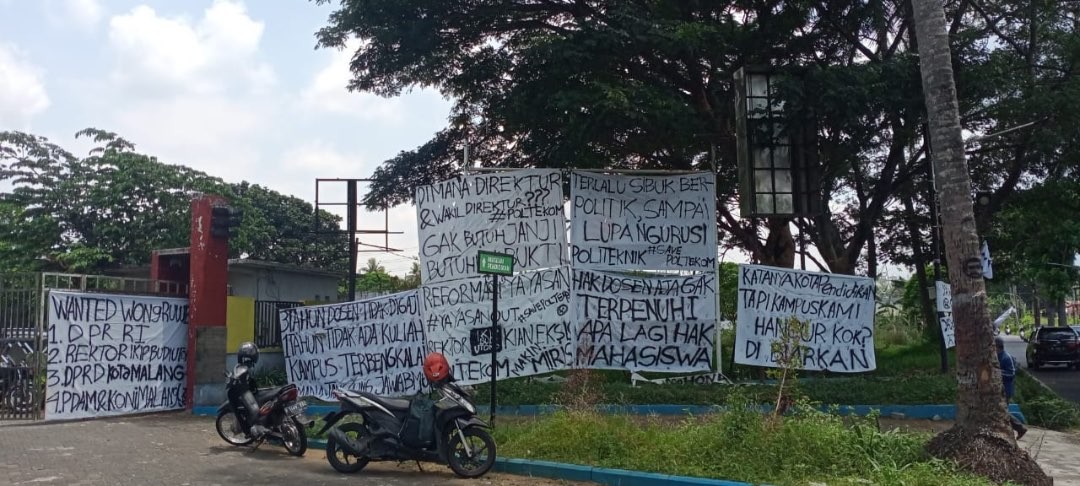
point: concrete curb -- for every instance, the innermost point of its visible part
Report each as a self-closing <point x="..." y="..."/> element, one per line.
<point x="574" y="472"/>
<point x="928" y="412"/>
<point x="612" y="477"/>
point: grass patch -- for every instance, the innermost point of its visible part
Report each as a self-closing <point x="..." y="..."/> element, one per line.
<point x="739" y="445"/>
<point x="862" y="390"/>
<point x="1044" y="408"/>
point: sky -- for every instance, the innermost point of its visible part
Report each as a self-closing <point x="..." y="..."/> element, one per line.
<point x="232" y="88"/>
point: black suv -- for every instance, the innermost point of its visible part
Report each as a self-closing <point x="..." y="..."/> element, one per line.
<point x="1054" y="346"/>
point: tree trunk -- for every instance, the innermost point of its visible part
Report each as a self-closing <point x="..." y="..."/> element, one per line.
<point x="981" y="441"/>
<point x="1038" y="312"/>
<point x="1063" y="313"/>
<point x="780" y="245"/>
<point x="871" y="256"/>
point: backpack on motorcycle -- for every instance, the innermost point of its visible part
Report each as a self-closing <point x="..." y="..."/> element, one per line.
<point x="419" y="430"/>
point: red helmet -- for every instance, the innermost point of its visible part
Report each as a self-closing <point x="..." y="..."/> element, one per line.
<point x="436" y="369"/>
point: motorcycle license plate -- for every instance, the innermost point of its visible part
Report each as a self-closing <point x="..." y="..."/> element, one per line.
<point x="296" y="408"/>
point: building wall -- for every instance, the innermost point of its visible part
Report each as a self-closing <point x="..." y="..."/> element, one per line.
<point x="240" y="320"/>
<point x="263" y="284"/>
<point x="241" y="327"/>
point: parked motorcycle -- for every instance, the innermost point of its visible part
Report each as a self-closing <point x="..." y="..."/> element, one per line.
<point x="16" y="376"/>
<point x="446" y="431"/>
<point x="250" y="414"/>
<point x="16" y="388"/>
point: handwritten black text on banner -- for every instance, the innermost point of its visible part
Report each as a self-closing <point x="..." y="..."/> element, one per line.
<point x="518" y="212"/>
<point x="534" y="318"/>
<point x="943" y="298"/>
<point x="645" y="323"/>
<point x="643" y="222"/>
<point x="114" y="354"/>
<point x="374" y="345"/>
<point x="839" y="309"/>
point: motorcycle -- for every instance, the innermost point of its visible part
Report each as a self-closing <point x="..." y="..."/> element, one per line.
<point x="279" y="411"/>
<point x="16" y="388"/>
<point x="17" y="378"/>
<point x="445" y="431"/>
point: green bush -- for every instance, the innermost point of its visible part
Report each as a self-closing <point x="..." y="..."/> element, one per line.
<point x="1044" y="408"/>
<point x="270" y="377"/>
<point x="741" y="445"/>
<point x="862" y="390"/>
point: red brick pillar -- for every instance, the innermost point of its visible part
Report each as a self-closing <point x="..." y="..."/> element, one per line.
<point x="208" y="290"/>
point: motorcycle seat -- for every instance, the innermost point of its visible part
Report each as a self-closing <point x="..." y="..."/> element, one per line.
<point x="391" y="404"/>
<point x="266" y="394"/>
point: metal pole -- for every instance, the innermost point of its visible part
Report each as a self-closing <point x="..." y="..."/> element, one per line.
<point x="802" y="243"/>
<point x="495" y="340"/>
<point x="935" y="228"/>
<point x="351" y="216"/>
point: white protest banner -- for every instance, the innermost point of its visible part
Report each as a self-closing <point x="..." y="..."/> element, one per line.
<point x="517" y="212"/>
<point x="374" y="345"/>
<point x="943" y="299"/>
<point x="839" y="310"/>
<point x="643" y="222"/>
<point x="534" y="318"/>
<point x="699" y="379"/>
<point x="645" y="323"/>
<point x="114" y="354"/>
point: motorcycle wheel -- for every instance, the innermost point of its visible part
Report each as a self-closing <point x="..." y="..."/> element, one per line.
<point x="294" y="436"/>
<point x="346" y="463"/>
<point x="229" y="428"/>
<point x="21" y="398"/>
<point x="483" y="453"/>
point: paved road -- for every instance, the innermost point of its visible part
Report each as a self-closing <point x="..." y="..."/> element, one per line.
<point x="1062" y="380"/>
<point x="180" y="449"/>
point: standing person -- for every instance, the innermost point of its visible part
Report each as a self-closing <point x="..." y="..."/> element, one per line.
<point x="1008" y="376"/>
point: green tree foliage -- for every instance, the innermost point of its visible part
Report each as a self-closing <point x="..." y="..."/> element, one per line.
<point x="647" y="84"/>
<point x="116" y="205"/>
<point x="373" y="278"/>
<point x="1041" y="226"/>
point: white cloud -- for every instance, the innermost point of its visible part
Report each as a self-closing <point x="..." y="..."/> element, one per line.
<point x="22" y="91"/>
<point x="193" y="91"/>
<point x="211" y="133"/>
<point x="318" y="157"/>
<point x="174" y="54"/>
<point x="84" y="13"/>
<point x="328" y="92"/>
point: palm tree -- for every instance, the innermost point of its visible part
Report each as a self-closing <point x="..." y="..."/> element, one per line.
<point x="373" y="267"/>
<point x="981" y="441"/>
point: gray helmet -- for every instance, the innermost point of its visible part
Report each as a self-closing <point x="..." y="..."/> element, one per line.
<point x="247" y="354"/>
<point x="1000" y="343"/>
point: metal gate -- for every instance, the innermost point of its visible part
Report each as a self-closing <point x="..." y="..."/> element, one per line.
<point x="23" y="324"/>
<point x="21" y="306"/>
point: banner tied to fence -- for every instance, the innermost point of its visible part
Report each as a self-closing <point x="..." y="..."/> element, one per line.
<point x="645" y="323"/>
<point x="535" y="334"/>
<point x="943" y="299"/>
<point x="374" y="345"/>
<point x="114" y="354"/>
<point x="518" y="212"/>
<point x="643" y="222"/>
<point x="838" y="309"/>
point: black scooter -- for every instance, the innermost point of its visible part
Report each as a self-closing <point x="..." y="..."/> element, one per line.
<point x="445" y="431"/>
<point x="279" y="411"/>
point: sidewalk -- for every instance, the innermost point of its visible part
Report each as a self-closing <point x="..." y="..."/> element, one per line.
<point x="1057" y="452"/>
